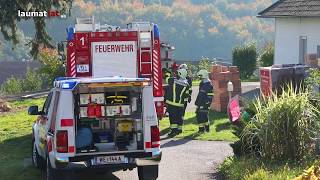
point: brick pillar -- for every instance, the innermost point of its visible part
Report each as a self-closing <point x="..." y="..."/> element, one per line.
<point x="220" y="76"/>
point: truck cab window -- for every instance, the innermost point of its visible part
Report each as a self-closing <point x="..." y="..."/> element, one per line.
<point x="46" y="105"/>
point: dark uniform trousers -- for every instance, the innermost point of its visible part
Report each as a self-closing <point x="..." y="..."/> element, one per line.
<point x="175" y="116"/>
<point x="203" y="103"/>
<point x="187" y="100"/>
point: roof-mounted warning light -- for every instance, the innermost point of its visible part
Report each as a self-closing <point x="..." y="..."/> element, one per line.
<point x="156" y="32"/>
<point x="64" y="82"/>
<point x="70" y="33"/>
<point x="63" y="78"/>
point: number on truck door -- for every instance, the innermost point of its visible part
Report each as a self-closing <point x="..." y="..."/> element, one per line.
<point x="82" y="40"/>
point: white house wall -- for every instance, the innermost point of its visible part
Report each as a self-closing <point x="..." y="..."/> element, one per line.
<point x="288" y="32"/>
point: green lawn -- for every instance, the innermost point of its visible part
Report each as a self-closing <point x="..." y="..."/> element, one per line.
<point x="220" y="127"/>
<point x="247" y="168"/>
<point x="15" y="142"/>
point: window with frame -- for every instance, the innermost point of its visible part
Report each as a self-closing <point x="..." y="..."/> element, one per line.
<point x="54" y="111"/>
<point x="46" y="105"/>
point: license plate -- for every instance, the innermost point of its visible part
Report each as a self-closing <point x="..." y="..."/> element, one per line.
<point x="83" y="68"/>
<point x="109" y="160"/>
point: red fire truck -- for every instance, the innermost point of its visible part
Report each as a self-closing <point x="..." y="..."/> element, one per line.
<point x="95" y="50"/>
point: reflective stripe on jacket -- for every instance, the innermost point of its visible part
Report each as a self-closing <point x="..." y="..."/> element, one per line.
<point x="176" y="92"/>
<point x="205" y="94"/>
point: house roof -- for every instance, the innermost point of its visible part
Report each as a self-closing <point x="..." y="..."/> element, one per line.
<point x="292" y="8"/>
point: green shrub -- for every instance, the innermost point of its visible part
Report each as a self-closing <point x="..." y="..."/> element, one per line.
<point x="284" y="127"/>
<point x="245" y="58"/>
<point x="32" y="81"/>
<point x="35" y="80"/>
<point x="267" y="56"/>
<point x="313" y="81"/>
<point x="12" y="85"/>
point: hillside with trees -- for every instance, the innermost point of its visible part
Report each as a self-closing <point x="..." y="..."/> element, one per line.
<point x="197" y="28"/>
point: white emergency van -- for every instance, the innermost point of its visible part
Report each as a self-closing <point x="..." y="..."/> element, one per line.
<point x="108" y="123"/>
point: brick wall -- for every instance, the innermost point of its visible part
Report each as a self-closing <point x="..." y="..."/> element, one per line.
<point x="220" y="76"/>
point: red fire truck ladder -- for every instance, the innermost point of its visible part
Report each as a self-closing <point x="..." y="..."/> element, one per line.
<point x="149" y="58"/>
<point x="144" y="30"/>
<point x="146" y="65"/>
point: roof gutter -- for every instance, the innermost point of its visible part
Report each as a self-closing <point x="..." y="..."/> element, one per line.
<point x="285" y="16"/>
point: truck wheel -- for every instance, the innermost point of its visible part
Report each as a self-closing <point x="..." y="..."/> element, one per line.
<point x="52" y="173"/>
<point x="37" y="160"/>
<point x="148" y="172"/>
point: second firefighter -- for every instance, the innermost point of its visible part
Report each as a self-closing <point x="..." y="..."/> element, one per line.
<point x="176" y="92"/>
<point x="189" y="80"/>
<point x="203" y="101"/>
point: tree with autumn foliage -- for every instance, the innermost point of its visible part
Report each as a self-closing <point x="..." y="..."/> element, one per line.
<point x="51" y="66"/>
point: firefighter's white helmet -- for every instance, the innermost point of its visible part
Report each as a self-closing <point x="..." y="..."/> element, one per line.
<point x="183" y="66"/>
<point x="203" y="74"/>
<point x="182" y="73"/>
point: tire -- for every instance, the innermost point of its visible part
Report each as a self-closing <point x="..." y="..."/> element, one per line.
<point x="52" y="174"/>
<point x="148" y="172"/>
<point x="37" y="160"/>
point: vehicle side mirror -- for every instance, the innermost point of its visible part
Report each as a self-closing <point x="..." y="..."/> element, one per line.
<point x="33" y="110"/>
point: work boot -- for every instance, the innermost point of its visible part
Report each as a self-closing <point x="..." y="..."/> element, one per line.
<point x="201" y="130"/>
<point x="207" y="127"/>
<point x="173" y="133"/>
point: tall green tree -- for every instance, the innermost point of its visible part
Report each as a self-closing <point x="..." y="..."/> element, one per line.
<point x="267" y="55"/>
<point x="205" y="63"/>
<point x="245" y="57"/>
<point x="9" y="19"/>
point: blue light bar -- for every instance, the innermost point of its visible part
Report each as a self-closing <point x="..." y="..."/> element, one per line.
<point x="70" y="32"/>
<point x="69" y="85"/>
<point x="156" y="33"/>
<point x="63" y="78"/>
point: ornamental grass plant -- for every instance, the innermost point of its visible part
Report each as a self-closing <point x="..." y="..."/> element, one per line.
<point x="285" y="127"/>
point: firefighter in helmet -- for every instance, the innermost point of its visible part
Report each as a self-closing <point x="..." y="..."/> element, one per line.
<point x="187" y="100"/>
<point x="176" y="92"/>
<point x="203" y="101"/>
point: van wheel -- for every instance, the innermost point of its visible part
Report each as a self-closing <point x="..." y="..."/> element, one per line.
<point x="148" y="172"/>
<point x="51" y="172"/>
<point x="37" y="160"/>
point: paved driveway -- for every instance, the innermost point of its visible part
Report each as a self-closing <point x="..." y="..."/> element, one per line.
<point x="183" y="159"/>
